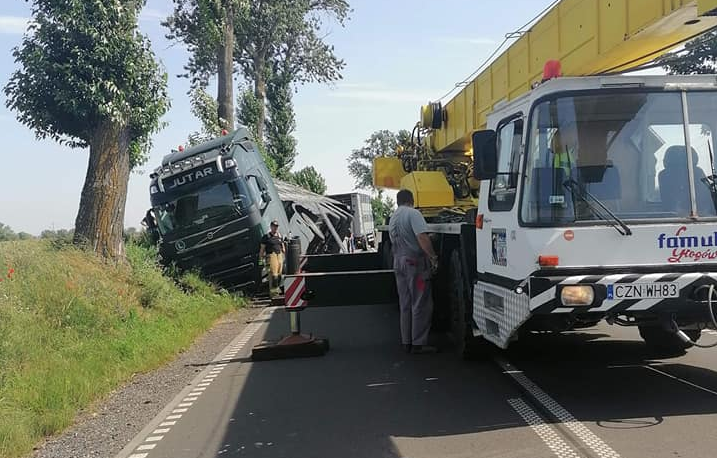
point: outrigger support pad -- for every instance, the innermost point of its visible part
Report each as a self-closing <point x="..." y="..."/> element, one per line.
<point x="293" y="346"/>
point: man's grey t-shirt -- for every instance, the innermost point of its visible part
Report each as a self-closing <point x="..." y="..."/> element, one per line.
<point x="405" y="224"/>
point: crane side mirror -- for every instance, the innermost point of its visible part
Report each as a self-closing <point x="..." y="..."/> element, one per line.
<point x="485" y="155"/>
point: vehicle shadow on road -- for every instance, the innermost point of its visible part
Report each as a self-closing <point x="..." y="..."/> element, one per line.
<point x="367" y="398"/>
<point x="619" y="383"/>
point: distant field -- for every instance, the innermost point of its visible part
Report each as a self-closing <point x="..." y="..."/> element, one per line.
<point x="73" y="328"/>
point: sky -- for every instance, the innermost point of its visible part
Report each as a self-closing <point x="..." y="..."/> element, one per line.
<point x="399" y="54"/>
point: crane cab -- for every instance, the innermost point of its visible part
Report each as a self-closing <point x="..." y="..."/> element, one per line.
<point x="597" y="201"/>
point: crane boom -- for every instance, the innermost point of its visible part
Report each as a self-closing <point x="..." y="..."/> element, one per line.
<point x="588" y="37"/>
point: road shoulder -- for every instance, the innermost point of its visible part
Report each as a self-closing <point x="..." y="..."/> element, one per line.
<point x="105" y="428"/>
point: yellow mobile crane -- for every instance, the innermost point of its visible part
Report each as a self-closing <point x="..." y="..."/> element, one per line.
<point x="587" y="37"/>
<point x="564" y="194"/>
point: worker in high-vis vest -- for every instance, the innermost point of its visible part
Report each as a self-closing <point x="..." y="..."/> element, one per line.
<point x="564" y="148"/>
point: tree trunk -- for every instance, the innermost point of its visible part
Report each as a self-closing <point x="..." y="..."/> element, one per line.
<point x="225" y="64"/>
<point x="100" y="219"/>
<point x="260" y="93"/>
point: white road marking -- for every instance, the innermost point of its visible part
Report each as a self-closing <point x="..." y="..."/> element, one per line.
<point x="221" y="361"/>
<point x="373" y="385"/>
<point x="577" y="428"/>
<point x="546" y="432"/>
<point x="681" y="380"/>
<point x="673" y="377"/>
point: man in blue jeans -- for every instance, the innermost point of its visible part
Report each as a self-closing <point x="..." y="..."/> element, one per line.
<point x="414" y="262"/>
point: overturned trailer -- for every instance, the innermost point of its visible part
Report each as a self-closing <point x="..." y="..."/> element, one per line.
<point x="212" y="203"/>
<point x="320" y="222"/>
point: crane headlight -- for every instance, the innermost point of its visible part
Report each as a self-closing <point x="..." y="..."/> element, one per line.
<point x="577" y="295"/>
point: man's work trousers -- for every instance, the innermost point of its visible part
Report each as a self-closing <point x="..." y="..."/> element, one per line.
<point x="414" y="297"/>
<point x="276" y="266"/>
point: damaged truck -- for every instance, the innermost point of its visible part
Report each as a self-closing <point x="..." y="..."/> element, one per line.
<point x="212" y="203"/>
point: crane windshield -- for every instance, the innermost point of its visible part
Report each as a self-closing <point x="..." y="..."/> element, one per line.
<point x="627" y="150"/>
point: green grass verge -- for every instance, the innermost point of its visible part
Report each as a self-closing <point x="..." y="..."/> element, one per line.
<point x="73" y="328"/>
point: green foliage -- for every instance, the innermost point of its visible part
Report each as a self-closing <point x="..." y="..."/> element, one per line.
<point x="199" y="24"/>
<point x="281" y="144"/>
<point x="289" y="32"/>
<point x="84" y="64"/>
<point x="204" y="108"/>
<point x="248" y="114"/>
<point x="249" y="111"/>
<point x="382" y="207"/>
<point x="61" y="235"/>
<point x="309" y="178"/>
<point x="698" y="57"/>
<point x="74" y="328"/>
<point x="270" y="30"/>
<point x="278" y="43"/>
<point x="6" y="233"/>
<point x="382" y="143"/>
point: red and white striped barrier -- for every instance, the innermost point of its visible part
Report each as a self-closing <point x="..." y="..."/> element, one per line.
<point x="294" y="288"/>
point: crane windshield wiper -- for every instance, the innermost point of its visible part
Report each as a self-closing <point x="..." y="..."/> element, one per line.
<point x="583" y="194"/>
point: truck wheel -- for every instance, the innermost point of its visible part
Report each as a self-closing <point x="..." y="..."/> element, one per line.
<point x="465" y="345"/>
<point x="664" y="341"/>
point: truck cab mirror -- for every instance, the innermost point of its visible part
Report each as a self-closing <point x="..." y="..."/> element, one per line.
<point x="149" y="222"/>
<point x="485" y="155"/>
<point x="265" y="197"/>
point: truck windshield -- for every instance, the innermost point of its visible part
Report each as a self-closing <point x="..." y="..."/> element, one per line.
<point x="627" y="150"/>
<point x="223" y="200"/>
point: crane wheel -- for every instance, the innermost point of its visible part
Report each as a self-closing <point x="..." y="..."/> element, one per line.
<point x="465" y="345"/>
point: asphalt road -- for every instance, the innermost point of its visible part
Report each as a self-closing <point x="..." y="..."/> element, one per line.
<point x="593" y="393"/>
